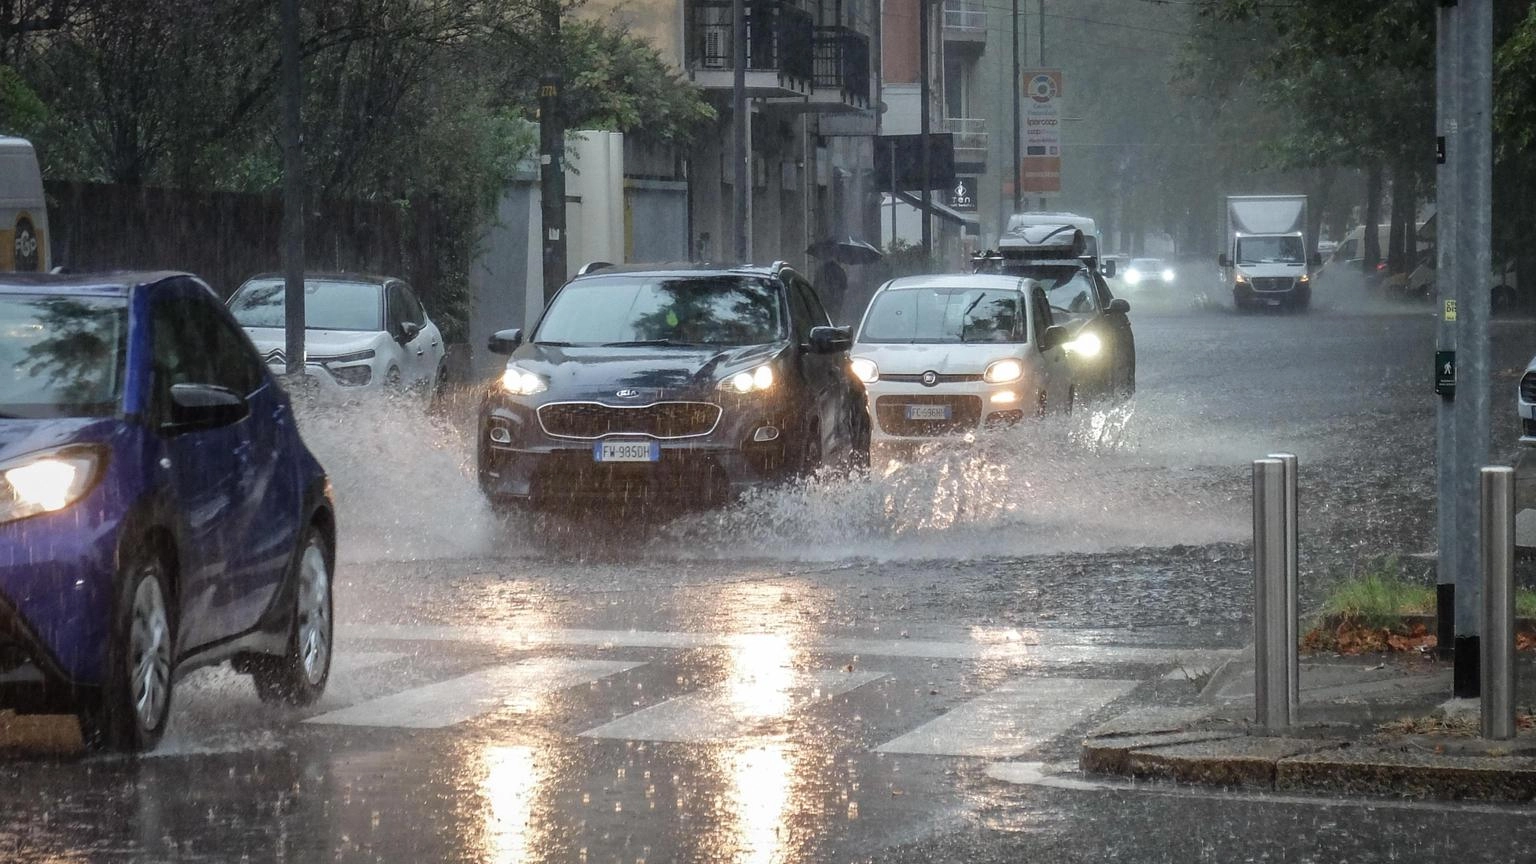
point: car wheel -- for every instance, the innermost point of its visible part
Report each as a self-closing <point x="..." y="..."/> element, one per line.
<point x="859" y="447"/>
<point x="809" y="456"/>
<point x="135" y="701"/>
<point x="299" y="676"/>
<point x="392" y="380"/>
<point x="437" y="398"/>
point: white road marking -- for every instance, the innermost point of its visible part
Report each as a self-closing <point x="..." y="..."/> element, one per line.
<point x="1033" y="648"/>
<point x="731" y="710"/>
<point x="1038" y="774"/>
<point x="523" y="684"/>
<point x="1012" y="720"/>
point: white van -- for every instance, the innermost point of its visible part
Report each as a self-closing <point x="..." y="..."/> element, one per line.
<point x="24" y="238"/>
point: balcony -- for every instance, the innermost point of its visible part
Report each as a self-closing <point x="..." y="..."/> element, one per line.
<point x="965" y="21"/>
<point x="841" y="81"/>
<point x="970" y="143"/>
<point x="780" y="48"/>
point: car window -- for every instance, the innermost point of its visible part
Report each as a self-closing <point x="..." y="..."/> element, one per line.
<point x="236" y="365"/>
<point x="414" y="312"/>
<point x="716" y="309"/>
<point x="818" y="316"/>
<point x="195" y="344"/>
<point x="329" y="304"/>
<point x="61" y="355"/>
<point x="1072" y="291"/>
<point x="403" y="306"/>
<point x="944" y="314"/>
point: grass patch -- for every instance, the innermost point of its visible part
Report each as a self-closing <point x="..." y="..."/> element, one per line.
<point x="1380" y="596"/>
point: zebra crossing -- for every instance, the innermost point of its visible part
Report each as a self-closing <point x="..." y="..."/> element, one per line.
<point x="756" y="682"/>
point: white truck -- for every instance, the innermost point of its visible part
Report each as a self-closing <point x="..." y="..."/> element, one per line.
<point x="1266" y="261"/>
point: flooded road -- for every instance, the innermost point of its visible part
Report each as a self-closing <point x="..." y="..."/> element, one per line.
<point x="821" y="673"/>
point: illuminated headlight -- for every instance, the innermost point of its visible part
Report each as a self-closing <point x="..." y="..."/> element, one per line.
<point x="1004" y="397"/>
<point x="1304" y="278"/>
<point x="1004" y="371"/>
<point x="865" y="369"/>
<point x="521" y="382"/>
<point x="751" y="381"/>
<point x="1087" y="344"/>
<point x="1132" y="276"/>
<point x="46" y="482"/>
<point x="1242" y="279"/>
<point x="1168" y="275"/>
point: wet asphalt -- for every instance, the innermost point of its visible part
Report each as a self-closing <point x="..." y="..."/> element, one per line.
<point x="822" y="673"/>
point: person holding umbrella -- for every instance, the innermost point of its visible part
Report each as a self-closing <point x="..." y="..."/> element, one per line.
<point x="831" y="278"/>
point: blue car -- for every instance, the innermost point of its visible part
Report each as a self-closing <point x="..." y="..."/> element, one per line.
<point x="158" y="509"/>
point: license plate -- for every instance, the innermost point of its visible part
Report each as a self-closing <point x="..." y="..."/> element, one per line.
<point x="927" y="412"/>
<point x="626" y="451"/>
<point x="1273" y="302"/>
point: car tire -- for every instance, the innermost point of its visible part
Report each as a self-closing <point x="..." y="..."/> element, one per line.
<point x="438" y="396"/>
<point x="859" y="446"/>
<point x="392" y="380"/>
<point x="808" y="451"/>
<point x="299" y="676"/>
<point x="134" y="705"/>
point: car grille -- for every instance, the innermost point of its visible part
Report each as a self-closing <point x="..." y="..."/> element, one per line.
<point x="1273" y="283"/>
<point x="943" y="378"/>
<point x="1528" y="387"/>
<point x="891" y="412"/>
<point x="658" y="420"/>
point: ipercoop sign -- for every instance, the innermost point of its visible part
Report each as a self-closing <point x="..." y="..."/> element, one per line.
<point x="1042" y="97"/>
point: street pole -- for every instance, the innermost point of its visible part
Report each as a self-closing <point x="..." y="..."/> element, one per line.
<point x="552" y="159"/>
<point x="1447" y="226"/>
<point x="741" y="177"/>
<point x="1040" y="37"/>
<point x="1018" y="150"/>
<point x="292" y="71"/>
<point x="1473" y="153"/>
<point x="925" y="12"/>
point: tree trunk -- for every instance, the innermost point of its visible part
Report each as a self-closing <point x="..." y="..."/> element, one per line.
<point x="1371" y="242"/>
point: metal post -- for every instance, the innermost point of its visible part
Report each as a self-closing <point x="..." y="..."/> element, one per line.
<point x="1292" y="584"/>
<point x="552" y="178"/>
<point x="741" y="176"/>
<point x="1498" y="640"/>
<point x="1474" y="261"/>
<point x="925" y="13"/>
<point x="292" y="70"/>
<point x="1018" y="149"/>
<point x="893" y="194"/>
<point x="1271" y="689"/>
<point x="1447" y="227"/>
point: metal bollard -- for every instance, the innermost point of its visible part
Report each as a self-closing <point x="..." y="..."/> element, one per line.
<point x="1271" y="687"/>
<point x="1497" y="645"/>
<point x="1292" y="586"/>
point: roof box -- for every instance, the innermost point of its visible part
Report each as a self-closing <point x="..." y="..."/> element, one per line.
<point x="1043" y="242"/>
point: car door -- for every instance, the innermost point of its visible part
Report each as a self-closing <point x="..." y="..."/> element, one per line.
<point x="1058" y="380"/>
<point x="270" y="521"/>
<point x="204" y="470"/>
<point x="823" y="373"/>
<point x="430" y="340"/>
<point x="399" y="311"/>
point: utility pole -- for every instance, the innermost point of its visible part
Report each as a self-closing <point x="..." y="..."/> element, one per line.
<point x="925" y="14"/>
<point x="1471" y="147"/>
<point x="292" y="72"/>
<point x="1040" y="35"/>
<point x="1447" y="224"/>
<point x="741" y="202"/>
<point x="552" y="157"/>
<point x="1018" y="150"/>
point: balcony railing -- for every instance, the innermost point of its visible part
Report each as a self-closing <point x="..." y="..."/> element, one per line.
<point x="842" y="63"/>
<point x="970" y="138"/>
<point x="965" y="15"/>
<point x="780" y="37"/>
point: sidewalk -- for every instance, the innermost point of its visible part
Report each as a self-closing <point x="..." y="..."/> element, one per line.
<point x="1367" y="726"/>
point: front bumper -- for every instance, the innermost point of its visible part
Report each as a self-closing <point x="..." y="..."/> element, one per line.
<point x="519" y="460"/>
<point x="1528" y="424"/>
<point x="971" y="406"/>
<point x="56" y="582"/>
<point x="343" y="379"/>
<point x="1272" y="291"/>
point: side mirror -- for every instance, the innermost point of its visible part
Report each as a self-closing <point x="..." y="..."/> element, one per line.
<point x="830" y="340"/>
<point x="1119" y="306"/>
<point x="1224" y="261"/>
<point x="406" y="331"/>
<point x="1054" y="337"/>
<point x="504" y="341"/>
<point x="1109" y="269"/>
<point x="205" y="406"/>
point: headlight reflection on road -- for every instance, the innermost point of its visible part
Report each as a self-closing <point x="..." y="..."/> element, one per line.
<point x="761" y="674"/>
<point x="761" y="780"/>
<point x="512" y="780"/>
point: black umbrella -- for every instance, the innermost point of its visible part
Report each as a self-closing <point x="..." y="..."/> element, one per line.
<point x="845" y="251"/>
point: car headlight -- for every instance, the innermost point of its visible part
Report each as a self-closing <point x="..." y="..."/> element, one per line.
<point x="1087" y="344"/>
<point x="1242" y="279"/>
<point x="1132" y="276"/>
<point x="1304" y="278"/>
<point x="47" y="482"/>
<point x="521" y="382"/>
<point x="1168" y="275"/>
<point x="864" y="369"/>
<point x="351" y="376"/>
<point x="751" y="381"/>
<point x="1004" y="371"/>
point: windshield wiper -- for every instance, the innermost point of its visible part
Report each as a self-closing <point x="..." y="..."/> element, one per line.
<point x="642" y="343"/>
<point x="556" y="344"/>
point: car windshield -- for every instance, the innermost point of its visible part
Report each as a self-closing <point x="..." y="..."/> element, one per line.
<point x="945" y="315"/>
<point x="63" y="356"/>
<point x="647" y="309"/>
<point x="1270" y="250"/>
<point x="329" y="304"/>
<point x="1147" y="264"/>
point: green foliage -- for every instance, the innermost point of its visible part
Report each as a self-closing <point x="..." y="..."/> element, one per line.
<point x="21" y="112"/>
<point x="617" y="82"/>
<point x="1379" y="596"/>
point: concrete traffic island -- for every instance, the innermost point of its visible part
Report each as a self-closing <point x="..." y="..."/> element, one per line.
<point x="1368" y="728"/>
